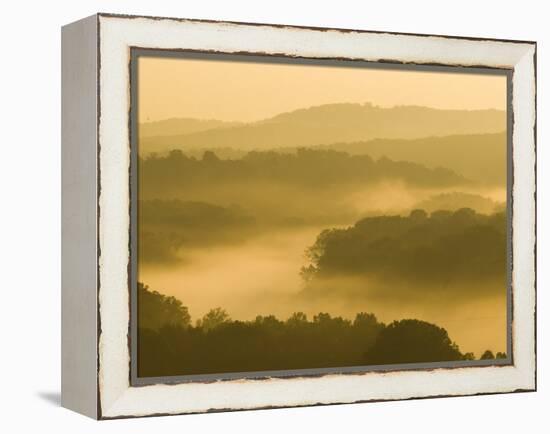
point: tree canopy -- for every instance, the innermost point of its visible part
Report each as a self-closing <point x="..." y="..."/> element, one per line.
<point x="425" y="250"/>
<point x="305" y="168"/>
<point x="156" y="310"/>
<point x="412" y="341"/>
<point x="168" y="343"/>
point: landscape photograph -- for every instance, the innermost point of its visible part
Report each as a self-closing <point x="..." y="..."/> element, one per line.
<point x="302" y="215"/>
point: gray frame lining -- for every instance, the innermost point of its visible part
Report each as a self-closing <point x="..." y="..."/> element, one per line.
<point x="136" y="52"/>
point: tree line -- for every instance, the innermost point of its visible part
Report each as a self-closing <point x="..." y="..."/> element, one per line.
<point x="169" y="343"/>
<point x="306" y="167"/>
<point x="428" y="251"/>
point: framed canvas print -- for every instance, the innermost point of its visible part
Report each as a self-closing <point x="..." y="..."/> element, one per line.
<point x="261" y="216"/>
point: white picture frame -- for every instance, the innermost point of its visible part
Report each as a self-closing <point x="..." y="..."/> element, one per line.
<point x="96" y="307"/>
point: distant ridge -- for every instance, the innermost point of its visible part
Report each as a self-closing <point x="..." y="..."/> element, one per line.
<point x="325" y="124"/>
<point x="182" y="126"/>
<point x="480" y="157"/>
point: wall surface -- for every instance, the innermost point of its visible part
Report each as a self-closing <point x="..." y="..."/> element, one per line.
<point x="30" y="181"/>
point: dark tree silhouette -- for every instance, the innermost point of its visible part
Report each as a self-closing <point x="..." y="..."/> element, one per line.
<point x="168" y="225"/>
<point x="428" y="250"/>
<point x="156" y="310"/>
<point x="168" y="343"/>
<point x="412" y="341"/>
<point x="469" y="356"/>
<point x="301" y="167"/>
<point x="297" y="319"/>
<point x="214" y="318"/>
<point x="487" y="355"/>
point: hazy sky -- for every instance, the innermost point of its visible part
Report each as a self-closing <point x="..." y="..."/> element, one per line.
<point x="250" y="91"/>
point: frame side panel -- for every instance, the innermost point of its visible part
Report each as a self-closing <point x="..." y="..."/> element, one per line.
<point x="79" y="217"/>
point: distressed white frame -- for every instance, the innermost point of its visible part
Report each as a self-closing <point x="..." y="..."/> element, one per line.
<point x="116" y="35"/>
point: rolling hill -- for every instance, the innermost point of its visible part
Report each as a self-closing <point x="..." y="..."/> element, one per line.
<point x="181" y="126"/>
<point x="480" y="157"/>
<point x="324" y="124"/>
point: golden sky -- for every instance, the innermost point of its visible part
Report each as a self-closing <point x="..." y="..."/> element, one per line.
<point x="171" y="87"/>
